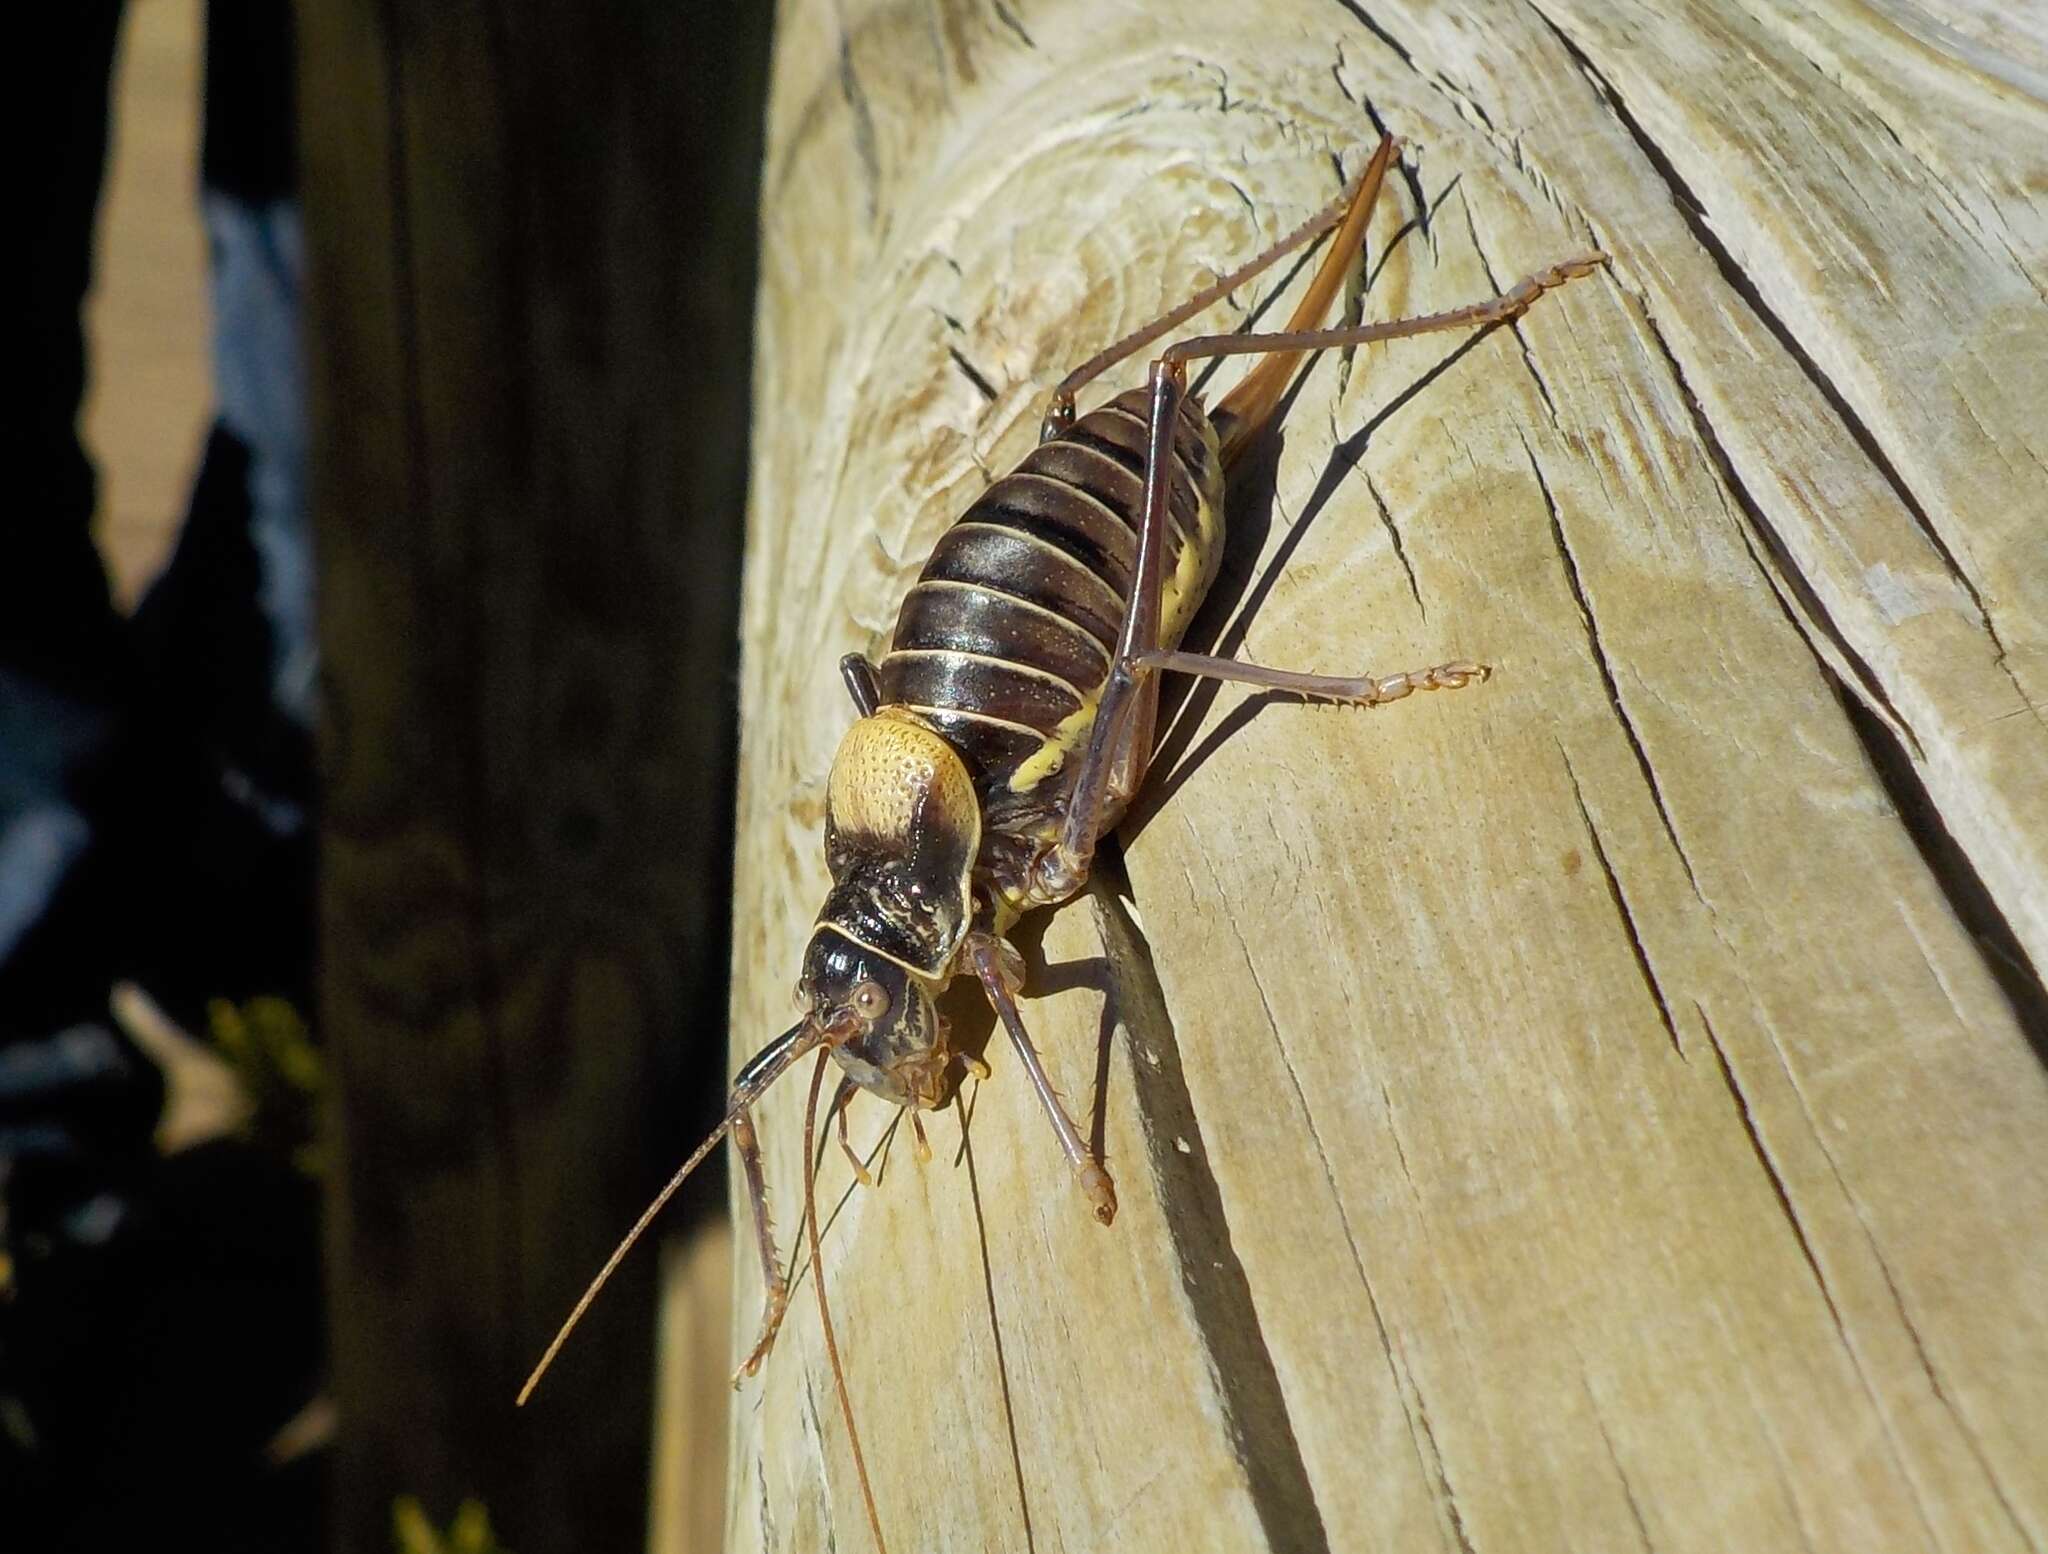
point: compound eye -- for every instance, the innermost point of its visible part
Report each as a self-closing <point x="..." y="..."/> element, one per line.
<point x="870" y="1000"/>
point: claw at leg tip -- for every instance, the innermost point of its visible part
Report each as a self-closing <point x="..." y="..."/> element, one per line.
<point x="1101" y="1192"/>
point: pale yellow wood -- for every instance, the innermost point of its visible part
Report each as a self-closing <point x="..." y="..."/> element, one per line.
<point x="1578" y="1112"/>
<point x="686" y="1511"/>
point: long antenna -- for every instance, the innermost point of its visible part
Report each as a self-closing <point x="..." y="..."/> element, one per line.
<point x="860" y="1464"/>
<point x="619" y="1252"/>
<point x="761" y="1071"/>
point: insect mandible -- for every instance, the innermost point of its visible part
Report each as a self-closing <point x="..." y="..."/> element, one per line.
<point x="1010" y="723"/>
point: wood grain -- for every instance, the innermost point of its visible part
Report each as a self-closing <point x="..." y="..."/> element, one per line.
<point x="527" y="229"/>
<point x="686" y="1493"/>
<point x="1601" y="1109"/>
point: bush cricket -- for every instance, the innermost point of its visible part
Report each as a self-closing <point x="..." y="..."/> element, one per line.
<point x="1010" y="724"/>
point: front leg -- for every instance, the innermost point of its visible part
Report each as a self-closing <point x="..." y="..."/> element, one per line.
<point x="775" y="1288"/>
<point x="995" y="963"/>
<point x="841" y="1099"/>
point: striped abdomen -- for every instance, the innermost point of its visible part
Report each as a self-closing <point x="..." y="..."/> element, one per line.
<point x="1004" y="643"/>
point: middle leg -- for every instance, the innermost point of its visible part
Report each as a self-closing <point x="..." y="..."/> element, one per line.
<point x="1353" y="690"/>
<point x="1119" y="743"/>
<point x="842" y="1098"/>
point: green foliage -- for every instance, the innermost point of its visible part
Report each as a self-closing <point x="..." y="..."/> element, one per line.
<point x="413" y="1532"/>
<point x="274" y="1060"/>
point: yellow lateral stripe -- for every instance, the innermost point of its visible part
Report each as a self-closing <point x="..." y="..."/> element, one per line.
<point x="1052" y="755"/>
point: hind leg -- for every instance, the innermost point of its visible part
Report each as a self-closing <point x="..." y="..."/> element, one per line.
<point x="1356" y="202"/>
<point x="1119" y="748"/>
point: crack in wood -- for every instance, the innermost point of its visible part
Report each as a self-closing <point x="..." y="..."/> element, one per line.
<point x="1783" y="573"/>
<point x="1386" y="513"/>
<point x="1628" y="1492"/>
<point x="1692" y="211"/>
<point x="1770" y="1170"/>
<point x="1988" y="930"/>
<point x="864" y="142"/>
<point x="972" y="374"/>
<point x="1449" y="1497"/>
<point x="1359" y="15"/>
<point x="1010" y="20"/>
<point x="1972" y="1441"/>
<point x="1606" y="672"/>
<point x="1514" y="324"/>
<point x="822" y="1485"/>
<point x="1897" y="1449"/>
<point x="1622" y="910"/>
<point x="764" y="1514"/>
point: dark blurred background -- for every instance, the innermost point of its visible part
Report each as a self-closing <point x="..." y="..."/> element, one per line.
<point x="368" y="615"/>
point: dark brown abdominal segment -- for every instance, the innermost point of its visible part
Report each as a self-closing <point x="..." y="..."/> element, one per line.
<point x="1009" y="630"/>
<point x="1062" y="517"/>
<point x="1002" y="688"/>
<point x="976" y="620"/>
<point x="1027" y="570"/>
<point x="1112" y="439"/>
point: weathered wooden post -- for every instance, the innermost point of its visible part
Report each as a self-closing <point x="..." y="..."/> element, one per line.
<point x="530" y="231"/>
<point x="1602" y="1109"/>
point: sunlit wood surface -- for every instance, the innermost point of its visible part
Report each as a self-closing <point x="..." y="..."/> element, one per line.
<point x="686" y="1494"/>
<point x="1603" y="1109"/>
